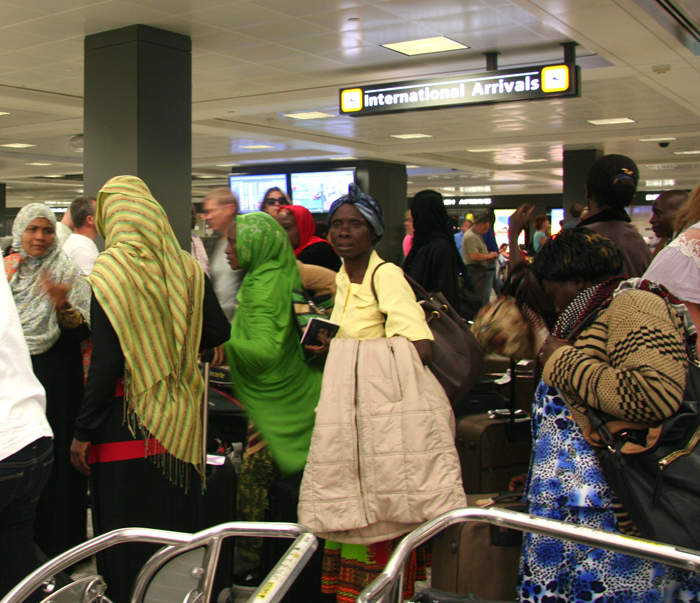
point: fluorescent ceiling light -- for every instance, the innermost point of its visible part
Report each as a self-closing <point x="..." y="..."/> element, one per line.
<point x="412" y="166"/>
<point x="18" y="145"/>
<point x="258" y="146"/>
<point x="342" y="158"/>
<point x="425" y="46"/>
<point x="37" y="163"/>
<point x="686" y="152"/>
<point x="53" y="176"/>
<point x="228" y="165"/>
<point x="533" y="160"/>
<point x="658" y="139"/>
<point x="482" y="150"/>
<point x="407" y="136"/>
<point x="611" y="122"/>
<point x="5" y="113"/>
<point x="308" y="115"/>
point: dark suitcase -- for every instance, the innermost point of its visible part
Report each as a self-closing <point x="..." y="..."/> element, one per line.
<point x="479" y="558"/>
<point x="493" y="449"/>
<point x="482" y="397"/>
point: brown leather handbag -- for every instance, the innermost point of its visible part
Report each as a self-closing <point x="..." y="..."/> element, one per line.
<point x="458" y="360"/>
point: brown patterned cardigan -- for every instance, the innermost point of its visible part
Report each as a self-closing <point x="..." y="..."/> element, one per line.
<point x="630" y="363"/>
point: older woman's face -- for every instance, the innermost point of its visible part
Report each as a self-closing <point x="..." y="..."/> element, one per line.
<point x="351" y="234"/>
<point x="231" y="250"/>
<point x="38" y="237"/>
<point x="563" y="293"/>
<point x="286" y="220"/>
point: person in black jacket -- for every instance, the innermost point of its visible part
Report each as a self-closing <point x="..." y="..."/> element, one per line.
<point x="433" y="260"/>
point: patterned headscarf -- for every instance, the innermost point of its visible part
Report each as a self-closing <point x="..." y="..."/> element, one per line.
<point x="365" y="204"/>
<point x="152" y="292"/>
<point x="36" y="310"/>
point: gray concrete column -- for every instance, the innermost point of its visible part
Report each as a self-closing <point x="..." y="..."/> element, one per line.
<point x="387" y="183"/>
<point x="576" y="166"/>
<point x="138" y="115"/>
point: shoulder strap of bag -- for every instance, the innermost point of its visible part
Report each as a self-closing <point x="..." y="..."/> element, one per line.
<point x="374" y="289"/>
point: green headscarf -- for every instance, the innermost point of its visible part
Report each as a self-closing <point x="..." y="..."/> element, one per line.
<point x="278" y="388"/>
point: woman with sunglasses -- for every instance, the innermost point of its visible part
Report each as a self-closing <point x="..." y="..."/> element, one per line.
<point x="273" y="199"/>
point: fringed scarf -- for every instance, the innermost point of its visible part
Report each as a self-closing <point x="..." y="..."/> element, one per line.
<point x="152" y="292"/>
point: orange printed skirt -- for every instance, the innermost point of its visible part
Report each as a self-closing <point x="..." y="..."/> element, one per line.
<point x="349" y="568"/>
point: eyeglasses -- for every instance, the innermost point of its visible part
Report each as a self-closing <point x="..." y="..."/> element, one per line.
<point x="273" y="200"/>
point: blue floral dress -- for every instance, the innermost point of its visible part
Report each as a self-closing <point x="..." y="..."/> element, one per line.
<point x="566" y="483"/>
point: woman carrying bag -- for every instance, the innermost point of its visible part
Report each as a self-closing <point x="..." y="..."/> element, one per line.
<point x="382" y="458"/>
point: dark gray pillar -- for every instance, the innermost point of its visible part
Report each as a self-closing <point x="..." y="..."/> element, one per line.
<point x="387" y="183"/>
<point x="576" y="166"/>
<point x="138" y="115"/>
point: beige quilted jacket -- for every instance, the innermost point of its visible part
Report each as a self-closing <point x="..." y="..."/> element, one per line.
<point x="382" y="458"/>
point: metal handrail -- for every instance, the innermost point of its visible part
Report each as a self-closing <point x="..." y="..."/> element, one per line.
<point x="388" y="585"/>
<point x="177" y="543"/>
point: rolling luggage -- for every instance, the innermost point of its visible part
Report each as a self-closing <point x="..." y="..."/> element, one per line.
<point x="494" y="447"/>
<point x="479" y="558"/>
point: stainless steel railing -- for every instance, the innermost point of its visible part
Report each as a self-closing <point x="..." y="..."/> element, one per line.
<point x="387" y="587"/>
<point x="271" y="590"/>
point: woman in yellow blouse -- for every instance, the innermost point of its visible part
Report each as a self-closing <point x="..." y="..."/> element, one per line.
<point x="356" y="225"/>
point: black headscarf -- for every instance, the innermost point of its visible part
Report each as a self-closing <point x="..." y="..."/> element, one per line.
<point x="430" y="221"/>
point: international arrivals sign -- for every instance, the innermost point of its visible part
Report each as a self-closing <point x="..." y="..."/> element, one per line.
<point x="527" y="83"/>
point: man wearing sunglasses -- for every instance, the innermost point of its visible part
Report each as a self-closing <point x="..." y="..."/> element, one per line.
<point x="273" y="199"/>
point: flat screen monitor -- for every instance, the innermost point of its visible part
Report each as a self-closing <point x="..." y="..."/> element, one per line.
<point x="317" y="190"/>
<point x="500" y="228"/>
<point x="556" y="217"/>
<point x="250" y="188"/>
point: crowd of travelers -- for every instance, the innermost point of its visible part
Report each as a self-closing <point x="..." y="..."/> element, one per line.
<point x="101" y="383"/>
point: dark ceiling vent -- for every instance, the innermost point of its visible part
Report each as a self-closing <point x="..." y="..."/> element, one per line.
<point x="680" y="17"/>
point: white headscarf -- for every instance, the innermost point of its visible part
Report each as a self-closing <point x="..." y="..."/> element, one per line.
<point x="36" y="310"/>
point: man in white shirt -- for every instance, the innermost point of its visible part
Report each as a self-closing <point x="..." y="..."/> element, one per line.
<point x="80" y="246"/>
<point x="64" y="228"/>
<point x="26" y="449"/>
<point x="220" y="209"/>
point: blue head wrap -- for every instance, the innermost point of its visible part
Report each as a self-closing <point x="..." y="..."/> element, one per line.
<point x="368" y="207"/>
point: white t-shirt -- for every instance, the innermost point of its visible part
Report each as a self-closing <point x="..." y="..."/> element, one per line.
<point x="226" y="282"/>
<point x="22" y="398"/>
<point x="82" y="250"/>
<point x="62" y="232"/>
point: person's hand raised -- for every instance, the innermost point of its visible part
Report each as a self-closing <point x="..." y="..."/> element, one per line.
<point x="520" y="218"/>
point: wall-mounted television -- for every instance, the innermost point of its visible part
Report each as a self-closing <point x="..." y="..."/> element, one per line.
<point x="500" y="228"/>
<point x="317" y="190"/>
<point x="557" y="216"/>
<point x="250" y="188"/>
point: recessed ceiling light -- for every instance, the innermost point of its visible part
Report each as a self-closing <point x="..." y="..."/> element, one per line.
<point x="228" y="165"/>
<point x="425" y="46"/>
<point x="533" y="160"/>
<point x="308" y="115"/>
<point x="257" y="146"/>
<point x="482" y="150"/>
<point x="611" y="122"/>
<point x="18" y="145"/>
<point x="686" y="152"/>
<point x="408" y="136"/>
<point x="342" y="158"/>
<point x="658" y="139"/>
<point x="37" y="163"/>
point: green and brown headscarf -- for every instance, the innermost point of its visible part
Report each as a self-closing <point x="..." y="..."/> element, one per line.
<point x="152" y="292"/>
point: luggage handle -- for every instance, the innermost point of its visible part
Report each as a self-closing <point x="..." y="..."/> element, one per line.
<point x="207" y="357"/>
